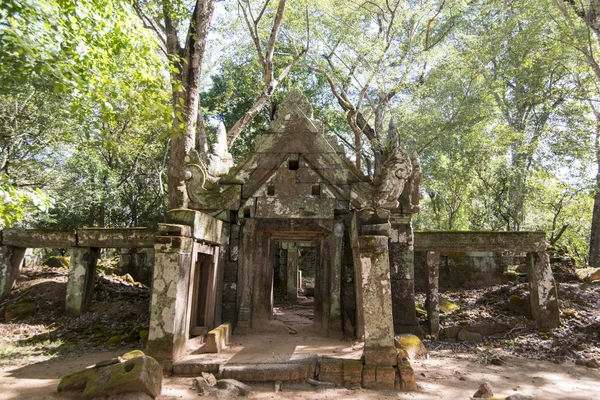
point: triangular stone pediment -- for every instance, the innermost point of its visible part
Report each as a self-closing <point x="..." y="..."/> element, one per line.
<point x="296" y="171"/>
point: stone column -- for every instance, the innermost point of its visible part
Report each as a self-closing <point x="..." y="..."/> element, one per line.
<point x="173" y="252"/>
<point x="292" y="273"/>
<point x="11" y="259"/>
<point x="82" y="274"/>
<point x="336" y="247"/>
<point x="376" y="301"/>
<point x="432" y="301"/>
<point x="402" y="271"/>
<point x="245" y="276"/>
<point x="543" y="294"/>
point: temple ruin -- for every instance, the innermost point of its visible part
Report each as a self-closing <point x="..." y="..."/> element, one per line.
<point x="245" y="231"/>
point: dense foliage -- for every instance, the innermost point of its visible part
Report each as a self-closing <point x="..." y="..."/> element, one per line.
<point x="498" y="98"/>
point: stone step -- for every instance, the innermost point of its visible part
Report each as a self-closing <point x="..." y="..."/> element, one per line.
<point x="296" y="372"/>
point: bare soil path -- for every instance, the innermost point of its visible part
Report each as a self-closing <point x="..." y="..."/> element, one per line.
<point x="446" y="375"/>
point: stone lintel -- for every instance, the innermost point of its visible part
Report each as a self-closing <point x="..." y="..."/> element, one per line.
<point x="377" y="229"/>
<point x="480" y="241"/>
<point x="174" y="230"/>
<point x="116" y="237"/>
<point x="295" y="225"/>
<point x="38" y="238"/>
<point x="204" y="227"/>
<point x="174" y="244"/>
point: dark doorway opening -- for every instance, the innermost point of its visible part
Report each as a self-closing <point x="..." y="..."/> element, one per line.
<point x="201" y="320"/>
<point x="294" y="279"/>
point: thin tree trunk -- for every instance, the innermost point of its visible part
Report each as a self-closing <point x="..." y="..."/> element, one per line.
<point x="594" y="254"/>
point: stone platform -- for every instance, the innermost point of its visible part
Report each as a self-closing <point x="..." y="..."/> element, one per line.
<point x="293" y="358"/>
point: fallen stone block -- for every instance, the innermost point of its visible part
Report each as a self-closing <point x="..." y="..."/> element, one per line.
<point x="19" y="311"/>
<point x="141" y="374"/>
<point x="218" y="338"/>
<point x="519" y="305"/>
<point x="452" y="331"/>
<point x="467" y="336"/>
<point x="488" y="328"/>
<point x="413" y="346"/>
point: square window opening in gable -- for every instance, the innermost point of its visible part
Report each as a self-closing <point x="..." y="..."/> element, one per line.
<point x="271" y="190"/>
<point x="316" y="190"/>
<point x="293" y="164"/>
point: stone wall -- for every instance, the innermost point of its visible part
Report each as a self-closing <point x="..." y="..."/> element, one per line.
<point x="463" y="270"/>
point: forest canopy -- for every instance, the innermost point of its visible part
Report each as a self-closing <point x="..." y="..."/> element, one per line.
<point x="98" y="98"/>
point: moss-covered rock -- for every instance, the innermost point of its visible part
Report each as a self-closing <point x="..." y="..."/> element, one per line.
<point x="140" y="374"/>
<point x="58" y="262"/>
<point x="114" y="341"/>
<point x="412" y="345"/>
<point x="519" y="305"/>
<point x="19" y="311"/>
<point x="447" y="306"/>
<point x="131" y="354"/>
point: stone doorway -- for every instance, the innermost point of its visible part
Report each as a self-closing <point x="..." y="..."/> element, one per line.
<point x="295" y="265"/>
<point x="203" y="296"/>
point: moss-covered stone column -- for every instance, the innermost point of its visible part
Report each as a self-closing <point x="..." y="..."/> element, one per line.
<point x="245" y="278"/>
<point x="432" y="301"/>
<point x="402" y="272"/>
<point x="336" y="248"/>
<point x="173" y="254"/>
<point x="376" y="301"/>
<point x="11" y="259"/>
<point x="82" y="274"/>
<point x="292" y="273"/>
<point x="543" y="294"/>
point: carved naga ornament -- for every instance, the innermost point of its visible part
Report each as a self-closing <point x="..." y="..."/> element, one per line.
<point x="390" y="181"/>
<point x="219" y="162"/>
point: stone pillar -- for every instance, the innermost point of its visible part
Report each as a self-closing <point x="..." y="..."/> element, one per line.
<point x="432" y="301"/>
<point x="543" y="294"/>
<point x="292" y="273"/>
<point x="402" y="271"/>
<point x="376" y="301"/>
<point x="11" y="259"/>
<point x="82" y="274"/>
<point x="245" y="276"/>
<point x="173" y="252"/>
<point x="336" y="248"/>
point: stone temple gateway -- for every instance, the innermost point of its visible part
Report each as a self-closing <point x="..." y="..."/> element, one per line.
<point x="217" y="261"/>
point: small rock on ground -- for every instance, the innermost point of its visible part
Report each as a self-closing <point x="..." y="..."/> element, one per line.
<point x="484" y="392"/>
<point x="242" y="389"/>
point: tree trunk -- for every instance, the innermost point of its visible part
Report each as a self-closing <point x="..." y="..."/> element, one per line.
<point x="186" y="103"/>
<point x="594" y="254"/>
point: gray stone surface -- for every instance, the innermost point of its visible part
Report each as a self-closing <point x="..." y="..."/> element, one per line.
<point x="543" y="293"/>
<point x="82" y="274"/>
<point x="11" y="259"/>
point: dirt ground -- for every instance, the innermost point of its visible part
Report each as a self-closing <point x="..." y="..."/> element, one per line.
<point x="446" y="375"/>
<point x="37" y="350"/>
